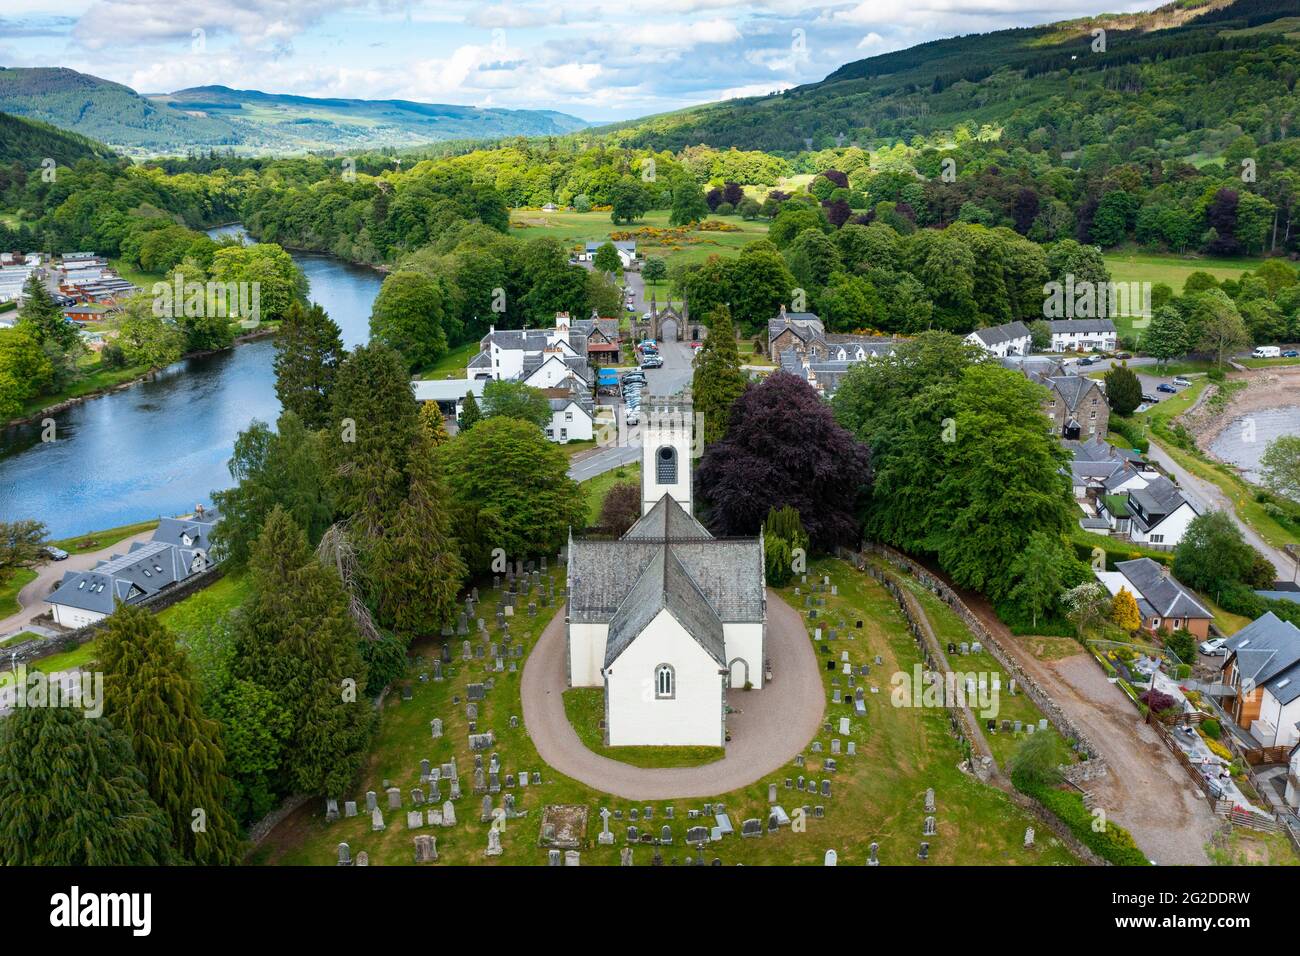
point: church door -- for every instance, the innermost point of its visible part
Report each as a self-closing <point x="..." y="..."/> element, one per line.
<point x="739" y="672"/>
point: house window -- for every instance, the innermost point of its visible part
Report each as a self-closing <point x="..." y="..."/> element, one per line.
<point x="1157" y="539"/>
<point x="666" y="466"/>
<point x="564" y="434"/>
<point x="665" y="682"/>
<point x="568" y="416"/>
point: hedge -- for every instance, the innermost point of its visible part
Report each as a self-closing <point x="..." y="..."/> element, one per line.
<point x="1112" y="843"/>
<point x="1131" y="432"/>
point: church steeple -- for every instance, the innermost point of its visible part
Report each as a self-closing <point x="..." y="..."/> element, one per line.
<point x="666" y="455"/>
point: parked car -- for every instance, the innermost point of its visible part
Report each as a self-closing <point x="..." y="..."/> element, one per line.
<point x="1166" y="387"/>
<point x="630" y="307"/>
<point x="1291" y="353"/>
<point x="632" y="418"/>
<point x="1266" y="351"/>
<point x="1123" y="356"/>
<point x="1214" y="646"/>
<point x="53" y="553"/>
<point x="652" y="361"/>
<point x="1148" y="397"/>
<point x="1087" y="360"/>
<point x="1181" y="382"/>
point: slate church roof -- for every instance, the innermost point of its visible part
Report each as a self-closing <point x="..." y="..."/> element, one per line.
<point x="665" y="585"/>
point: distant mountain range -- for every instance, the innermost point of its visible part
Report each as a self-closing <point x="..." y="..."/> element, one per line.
<point x="251" y="121"/>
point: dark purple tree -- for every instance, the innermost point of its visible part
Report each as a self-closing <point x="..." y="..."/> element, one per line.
<point x="837" y="177"/>
<point x="1025" y="210"/>
<point x="837" y="212"/>
<point x="732" y="193"/>
<point x="784" y="447"/>
<point x="713" y="197"/>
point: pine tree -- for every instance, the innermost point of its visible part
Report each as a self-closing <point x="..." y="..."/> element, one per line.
<point x="308" y="351"/>
<point x="718" y="381"/>
<point x="71" y="795"/>
<point x="415" y="566"/>
<point x="375" y="416"/>
<point x="469" y="412"/>
<point x="296" y="639"/>
<point x="150" y="694"/>
<point x="1124" y="611"/>
<point x="43" y="316"/>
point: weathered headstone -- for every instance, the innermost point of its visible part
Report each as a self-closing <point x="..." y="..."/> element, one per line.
<point x="426" y="849"/>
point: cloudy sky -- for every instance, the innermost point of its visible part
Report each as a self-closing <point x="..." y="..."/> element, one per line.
<point x="597" y="59"/>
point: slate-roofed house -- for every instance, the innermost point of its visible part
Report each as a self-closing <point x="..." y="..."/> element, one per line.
<point x="1082" y="335"/>
<point x="179" y="550"/>
<point x="1263" y="667"/>
<point x="1077" y="407"/>
<point x="602" y="338"/>
<point x="666" y="618"/>
<point x="1099" y="468"/>
<point x="794" y="330"/>
<point x="1156" y="514"/>
<point x="573" y="415"/>
<point x="1011" y="338"/>
<point x="1165" y="605"/>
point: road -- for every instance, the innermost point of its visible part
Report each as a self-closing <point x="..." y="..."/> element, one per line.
<point x="768" y="727"/>
<point x="32" y="597"/>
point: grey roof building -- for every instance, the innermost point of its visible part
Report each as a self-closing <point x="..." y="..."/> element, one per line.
<point x="1157" y="593"/>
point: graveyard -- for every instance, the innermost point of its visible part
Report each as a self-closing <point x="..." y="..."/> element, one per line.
<point x="454" y="778"/>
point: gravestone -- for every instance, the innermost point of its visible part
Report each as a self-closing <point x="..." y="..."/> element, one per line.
<point x="349" y="808"/>
<point x="1029" y="838"/>
<point x="345" y="855"/>
<point x="831" y="858"/>
<point x="376" y="821"/>
<point x="923" y="853"/>
<point x="475" y="692"/>
<point x="853" y="748"/>
<point x="448" y="814"/>
<point x="331" y="810"/>
<point x="928" y="830"/>
<point x="605" y="838"/>
<point x="625" y="856"/>
<point x="572" y="858"/>
<point x="753" y="827"/>
<point x="494" y="843"/>
<point x="435" y="727"/>
<point x="417" y="796"/>
<point x="872" y="860"/>
<point x="394" y="798"/>
<point x="554" y="858"/>
<point x="485" y="814"/>
<point x="929" y="800"/>
<point x="414" y="819"/>
<point x="455" y="788"/>
<point x="697" y="835"/>
<point x="771" y="793"/>
<point x="434" y="816"/>
<point x="372" y="800"/>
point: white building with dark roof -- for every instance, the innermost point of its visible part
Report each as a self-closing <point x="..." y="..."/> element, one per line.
<point x="667" y="619"/>
<point x="1011" y="338"/>
<point x="1082" y="335"/>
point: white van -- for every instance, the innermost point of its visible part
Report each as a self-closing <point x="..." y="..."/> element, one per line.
<point x="1266" y="351"/>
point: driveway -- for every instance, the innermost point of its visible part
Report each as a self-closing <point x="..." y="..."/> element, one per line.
<point x="1146" y="790"/>
<point x="32" y="597"/>
<point x="771" y="726"/>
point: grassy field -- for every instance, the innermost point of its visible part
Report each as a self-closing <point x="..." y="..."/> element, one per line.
<point x="575" y="229"/>
<point x="595" y="489"/>
<point x="451" y="365"/>
<point x="22" y="637"/>
<point x="94" y="377"/>
<point x="97" y="540"/>
<point x="10" y="587"/>
<point x="585" y="708"/>
<point x="1171" y="269"/>
<point x="79" y="657"/>
<point x="877" y="795"/>
<point x="205" y="607"/>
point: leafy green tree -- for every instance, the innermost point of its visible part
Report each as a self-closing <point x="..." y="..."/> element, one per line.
<point x="582" y="203"/>
<point x="1220" y="329"/>
<point x="151" y="696"/>
<point x="510" y="490"/>
<point x="73" y="796"/>
<point x="1037" y="573"/>
<point x="717" y="381"/>
<point x="812" y="258"/>
<point x="408" y="316"/>
<point x="629" y="200"/>
<point x="516" y="400"/>
<point x="1166" y="338"/>
<point x="279" y="281"/>
<point x="20" y="545"/>
<point x="1279" y="467"/>
<point x="793" y="219"/>
<point x="25" y="370"/>
<point x="654" y="270"/>
<point x="784" y="539"/>
<point x="415" y="571"/>
<point x="283" y="468"/>
<point x="1124" y="611"/>
<point x="297" y="640"/>
<point x="1040" y="335"/>
<point x="147" y="340"/>
<point x="433" y="425"/>
<point x="1035" y="764"/>
<point x="760" y="284"/>
<point x="1214" y="555"/>
<point x="375" y="416"/>
<point x="1086" y="605"/>
<point x="621" y="507"/>
<point x="606" y="259"/>
<point x="308" y="350"/>
<point x="1123" y="390"/>
<point x="689" y="204"/>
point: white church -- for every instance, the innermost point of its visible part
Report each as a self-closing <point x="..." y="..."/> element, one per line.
<point x="667" y="618"/>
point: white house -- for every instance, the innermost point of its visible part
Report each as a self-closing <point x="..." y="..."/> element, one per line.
<point x="1082" y="335"/>
<point x="626" y="252"/>
<point x="1157" y="514"/>
<point x="1263" y="667"/>
<point x="571" y="420"/>
<point x="1012" y="338"/>
<point x="668" y="619"/>
<point x="178" y="550"/>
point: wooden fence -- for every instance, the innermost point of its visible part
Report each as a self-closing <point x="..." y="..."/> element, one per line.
<point x="1262" y="755"/>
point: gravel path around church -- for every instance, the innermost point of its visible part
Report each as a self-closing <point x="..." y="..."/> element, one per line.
<point x="774" y="724"/>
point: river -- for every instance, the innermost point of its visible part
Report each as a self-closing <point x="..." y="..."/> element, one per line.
<point x="161" y="446"/>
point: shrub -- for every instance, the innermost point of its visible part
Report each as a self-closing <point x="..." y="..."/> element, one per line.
<point x="1132" y="432"/>
<point x="1158" y="701"/>
<point x="1211" y="729"/>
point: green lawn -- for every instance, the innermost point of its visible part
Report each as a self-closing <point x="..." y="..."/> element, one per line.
<point x="22" y="637"/>
<point x="595" y="489"/>
<point x="1131" y="265"/>
<point x="877" y="794"/>
<point x="78" y="657"/>
<point x="575" y="229"/>
<point x="451" y="365"/>
<point x="206" y="607"/>
<point x="97" y="540"/>
<point x="9" y="588"/>
<point x="585" y="708"/>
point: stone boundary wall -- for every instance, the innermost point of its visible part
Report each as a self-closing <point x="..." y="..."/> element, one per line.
<point x="1051" y="710"/>
<point x="46" y="646"/>
<point x="260" y="830"/>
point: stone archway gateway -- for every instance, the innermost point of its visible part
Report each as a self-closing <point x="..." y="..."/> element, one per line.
<point x="769" y="728"/>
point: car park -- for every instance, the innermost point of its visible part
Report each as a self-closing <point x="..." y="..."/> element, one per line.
<point x="1166" y="387"/>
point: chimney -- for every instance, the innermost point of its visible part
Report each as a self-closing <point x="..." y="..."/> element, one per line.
<point x="784" y="316"/>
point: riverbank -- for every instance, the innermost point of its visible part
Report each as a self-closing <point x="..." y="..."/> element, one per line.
<point x="1265" y="388"/>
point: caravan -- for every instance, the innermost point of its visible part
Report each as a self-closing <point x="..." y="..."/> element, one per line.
<point x="1266" y="351"/>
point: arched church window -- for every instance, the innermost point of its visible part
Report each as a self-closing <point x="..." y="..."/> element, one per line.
<point x="664" y="682"/>
<point x="666" y="466"/>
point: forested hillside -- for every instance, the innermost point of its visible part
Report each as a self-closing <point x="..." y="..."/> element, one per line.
<point x="27" y="144"/>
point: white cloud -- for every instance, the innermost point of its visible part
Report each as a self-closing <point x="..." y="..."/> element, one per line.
<point x="870" y="41"/>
